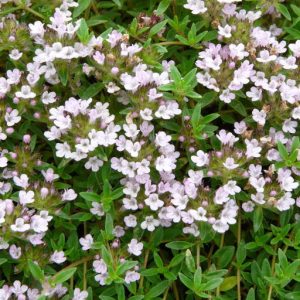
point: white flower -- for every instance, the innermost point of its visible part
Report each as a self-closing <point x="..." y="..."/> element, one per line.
<point x="225" y="31"/>
<point x="227" y="96"/>
<point x="259" y="116"/>
<point x="154" y="202"/>
<point x="258" y="183"/>
<point x="132" y="276"/>
<point x="26" y="197"/>
<point x="58" y="257"/>
<point x="20" y="226"/>
<point x="146" y="114"/>
<point x="220" y="226"/>
<point x="258" y="198"/>
<point x="21" y="181"/>
<point x="112" y="88"/>
<point x="229" y="163"/>
<point x="289" y="126"/>
<point x="231" y="188"/>
<point x="150" y="223"/>
<point x="165" y="164"/>
<point x="86" y="242"/>
<point x="135" y="248"/>
<point x="97" y="209"/>
<point x="130" y="221"/>
<point x="3" y="162"/>
<point x="25" y="92"/>
<point x="201" y="159"/>
<point x="12" y="117"/>
<point x="253" y="148"/>
<point x="69" y="195"/>
<point x="15" y="54"/>
<point x="94" y="164"/>
<point x="80" y="295"/>
<point x="162" y="139"/>
<point x="100" y="266"/>
<point x="265" y="57"/>
<point x="48" y="98"/>
<point x="285" y="202"/>
<point x="39" y="224"/>
<point x="196" y="6"/>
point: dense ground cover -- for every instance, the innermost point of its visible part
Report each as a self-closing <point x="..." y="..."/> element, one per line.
<point x="149" y="149"/>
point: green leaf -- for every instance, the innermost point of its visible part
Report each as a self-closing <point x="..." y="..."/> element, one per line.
<point x="109" y="226"/>
<point x="63" y="275"/>
<point x="257" y="218"/>
<point x="83" y="32"/>
<point x="36" y="271"/>
<point x="251" y="294"/>
<point x="175" y="75"/>
<point x="163" y="6"/>
<point x="82" y="6"/>
<point x="157" y="290"/>
<point x="282" y="150"/>
<point x="212" y="284"/>
<point x="126" y="266"/>
<point x="198" y="278"/>
<point x="91" y="91"/>
<point x="196" y="116"/>
<point x="296" y="9"/>
<point x="157" y="28"/>
<point x="228" y="283"/>
<point x="63" y="74"/>
<point x="224" y="256"/>
<point x="186" y="281"/>
<point x="209" y="118"/>
<point x="190" y="261"/>
<point x="239" y="107"/>
<point x="89" y="196"/>
<point x="241" y="253"/>
<point x="179" y="245"/>
<point x="3" y="261"/>
<point x="284" y="11"/>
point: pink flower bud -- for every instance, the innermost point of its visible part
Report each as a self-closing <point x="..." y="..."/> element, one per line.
<point x="26" y="138"/>
<point x="13" y="155"/>
<point x="44" y="192"/>
<point x="9" y="130"/>
<point x="9" y="206"/>
<point x="37" y="115"/>
<point x="115" y="70"/>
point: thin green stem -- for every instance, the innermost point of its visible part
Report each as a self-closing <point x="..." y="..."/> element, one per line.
<point x="32" y="11"/>
<point x="175" y="291"/>
<point x="198" y="254"/>
<point x="238" y="271"/>
<point x="166" y="293"/>
<point x="220" y="247"/>
<point x="144" y="265"/>
<point x="273" y="269"/>
<point x="85" y="263"/>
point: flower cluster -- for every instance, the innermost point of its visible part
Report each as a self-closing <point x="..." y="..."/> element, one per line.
<point x="98" y="153"/>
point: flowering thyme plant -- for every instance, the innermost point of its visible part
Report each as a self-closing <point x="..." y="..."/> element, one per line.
<point x="149" y="149"/>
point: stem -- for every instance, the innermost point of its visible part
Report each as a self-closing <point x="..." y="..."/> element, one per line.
<point x="32" y="11"/>
<point x="175" y="290"/>
<point x="273" y="268"/>
<point x="238" y="271"/>
<point x="166" y="294"/>
<point x="94" y="8"/>
<point x="221" y="246"/>
<point x="85" y="263"/>
<point x="144" y="265"/>
<point x="198" y="254"/>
